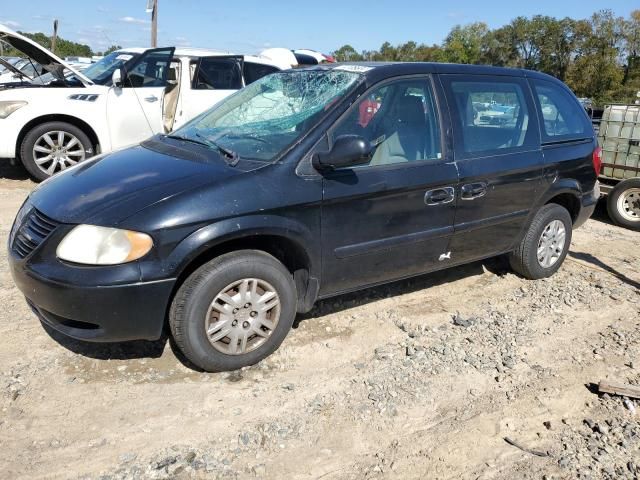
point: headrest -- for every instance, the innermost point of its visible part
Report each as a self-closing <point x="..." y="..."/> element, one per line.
<point x="411" y="110"/>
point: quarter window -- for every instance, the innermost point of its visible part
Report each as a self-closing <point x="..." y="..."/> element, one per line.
<point x="561" y="113"/>
<point x="400" y="122"/>
<point x="490" y="116"/>
<point x="218" y="74"/>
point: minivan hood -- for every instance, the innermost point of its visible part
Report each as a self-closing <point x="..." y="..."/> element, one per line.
<point x="107" y="190"/>
<point x="39" y="54"/>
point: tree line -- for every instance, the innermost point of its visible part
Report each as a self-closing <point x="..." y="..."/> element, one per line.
<point x="64" y="48"/>
<point x="598" y="57"/>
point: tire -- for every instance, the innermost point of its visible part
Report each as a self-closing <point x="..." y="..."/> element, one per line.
<point x="192" y="312"/>
<point x="46" y="138"/>
<point x="525" y="259"/>
<point x="623" y="204"/>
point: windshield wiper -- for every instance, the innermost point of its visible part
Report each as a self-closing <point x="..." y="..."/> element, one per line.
<point x="231" y="157"/>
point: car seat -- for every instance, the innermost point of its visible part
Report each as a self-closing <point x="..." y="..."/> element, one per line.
<point x="407" y="134"/>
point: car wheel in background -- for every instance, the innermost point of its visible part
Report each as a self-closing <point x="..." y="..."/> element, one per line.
<point x="233" y="311"/>
<point x="545" y="244"/>
<point x="623" y="204"/>
<point x="52" y="147"/>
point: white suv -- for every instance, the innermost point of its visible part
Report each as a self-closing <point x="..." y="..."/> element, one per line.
<point x="65" y="116"/>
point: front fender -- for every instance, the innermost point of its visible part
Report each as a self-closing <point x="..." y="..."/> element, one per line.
<point x="228" y="230"/>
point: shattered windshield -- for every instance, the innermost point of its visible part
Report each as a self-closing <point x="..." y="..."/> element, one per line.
<point x="262" y="120"/>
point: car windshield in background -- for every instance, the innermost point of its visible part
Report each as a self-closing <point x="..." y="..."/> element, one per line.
<point x="101" y="72"/>
<point x="265" y="118"/>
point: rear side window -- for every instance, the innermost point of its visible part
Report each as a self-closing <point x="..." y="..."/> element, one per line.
<point x="563" y="117"/>
<point x="218" y="74"/>
<point x="490" y="116"/>
<point x="255" y="71"/>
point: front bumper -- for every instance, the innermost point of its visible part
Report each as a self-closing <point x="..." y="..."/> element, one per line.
<point x="588" y="201"/>
<point x="108" y="313"/>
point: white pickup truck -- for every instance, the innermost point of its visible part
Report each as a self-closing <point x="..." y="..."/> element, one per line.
<point x="65" y="116"/>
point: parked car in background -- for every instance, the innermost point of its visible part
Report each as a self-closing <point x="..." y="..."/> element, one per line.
<point x="306" y="184"/>
<point x="68" y="115"/>
<point x="7" y="60"/>
<point x="23" y="70"/>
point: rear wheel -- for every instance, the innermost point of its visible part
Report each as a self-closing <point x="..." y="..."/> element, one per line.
<point x="52" y="147"/>
<point x="233" y="311"/>
<point x="545" y="245"/>
<point x="623" y="204"/>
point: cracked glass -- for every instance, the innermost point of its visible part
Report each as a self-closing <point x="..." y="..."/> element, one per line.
<point x="265" y="118"/>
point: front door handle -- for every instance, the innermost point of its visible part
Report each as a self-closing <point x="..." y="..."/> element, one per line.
<point x="471" y="191"/>
<point x="439" y="196"/>
<point x="151" y="99"/>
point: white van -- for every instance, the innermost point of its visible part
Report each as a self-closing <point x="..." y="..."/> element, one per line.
<point x="65" y="116"/>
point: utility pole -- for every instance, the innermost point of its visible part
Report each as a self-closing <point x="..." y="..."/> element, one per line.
<point x="152" y="8"/>
<point x="54" y="38"/>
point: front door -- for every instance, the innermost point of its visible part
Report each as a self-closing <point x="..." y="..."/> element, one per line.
<point x="499" y="159"/>
<point x="134" y="111"/>
<point x="393" y="217"/>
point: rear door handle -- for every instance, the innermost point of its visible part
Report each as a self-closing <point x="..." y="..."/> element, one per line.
<point x="472" y="191"/>
<point x="439" y="196"/>
<point x="151" y="99"/>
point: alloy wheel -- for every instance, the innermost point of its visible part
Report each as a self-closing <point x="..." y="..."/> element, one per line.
<point x="55" y="151"/>
<point x="551" y="244"/>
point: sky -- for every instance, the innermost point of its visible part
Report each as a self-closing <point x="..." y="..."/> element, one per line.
<point x="249" y="26"/>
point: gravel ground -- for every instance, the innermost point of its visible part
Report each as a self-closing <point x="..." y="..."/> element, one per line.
<point x="423" y="378"/>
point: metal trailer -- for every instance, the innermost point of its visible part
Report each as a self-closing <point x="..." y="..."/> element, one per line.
<point x="619" y="138"/>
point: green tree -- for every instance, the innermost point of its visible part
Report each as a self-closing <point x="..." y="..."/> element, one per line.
<point x="346" y="53"/>
<point x="464" y="44"/>
<point x="112" y="48"/>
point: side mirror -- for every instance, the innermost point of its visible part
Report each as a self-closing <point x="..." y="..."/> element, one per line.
<point x="116" y="78"/>
<point x="347" y="151"/>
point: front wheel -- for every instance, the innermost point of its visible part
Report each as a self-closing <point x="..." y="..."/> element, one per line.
<point x="623" y="204"/>
<point x="233" y="311"/>
<point x="545" y="245"/>
<point x="52" y="147"/>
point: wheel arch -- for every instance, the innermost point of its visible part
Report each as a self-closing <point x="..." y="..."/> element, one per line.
<point x="566" y="193"/>
<point x="291" y="246"/>
<point x="75" y="121"/>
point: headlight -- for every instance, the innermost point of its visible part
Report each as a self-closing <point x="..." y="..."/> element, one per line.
<point x="93" y="245"/>
<point x="7" y="108"/>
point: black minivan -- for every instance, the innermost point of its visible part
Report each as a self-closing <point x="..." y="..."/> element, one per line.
<point x="306" y="184"/>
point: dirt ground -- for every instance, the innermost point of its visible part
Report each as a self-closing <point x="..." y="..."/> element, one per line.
<point x="418" y="379"/>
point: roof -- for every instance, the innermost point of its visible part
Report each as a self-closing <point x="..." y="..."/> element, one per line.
<point x="203" y="52"/>
<point x="376" y="71"/>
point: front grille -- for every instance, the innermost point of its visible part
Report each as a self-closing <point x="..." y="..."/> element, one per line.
<point x="36" y="227"/>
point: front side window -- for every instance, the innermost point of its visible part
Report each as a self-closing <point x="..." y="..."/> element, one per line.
<point x="400" y="122"/>
<point x="490" y="116"/>
<point x="562" y="115"/>
<point x="265" y="118"/>
<point x="151" y="70"/>
<point x="218" y="74"/>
